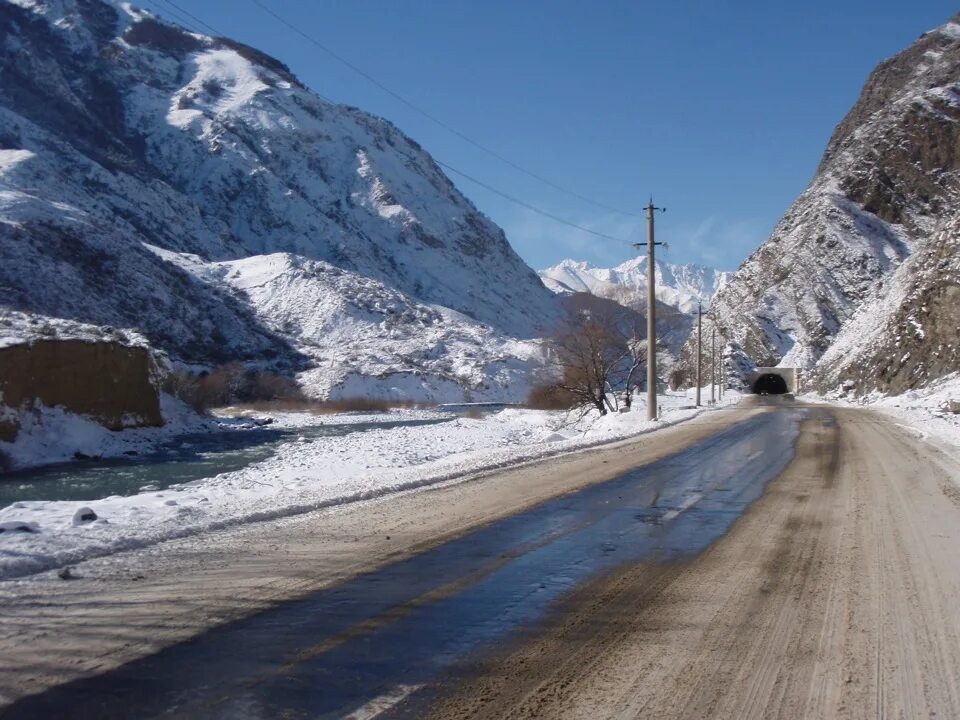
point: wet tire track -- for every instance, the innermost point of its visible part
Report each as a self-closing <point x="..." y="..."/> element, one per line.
<point x="834" y="597"/>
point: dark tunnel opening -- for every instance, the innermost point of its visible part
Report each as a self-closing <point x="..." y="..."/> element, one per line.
<point x="770" y="384"/>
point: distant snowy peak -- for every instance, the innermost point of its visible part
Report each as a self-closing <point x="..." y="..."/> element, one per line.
<point x="679" y="286"/>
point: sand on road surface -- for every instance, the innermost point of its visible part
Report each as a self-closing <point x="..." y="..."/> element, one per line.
<point x="837" y="595"/>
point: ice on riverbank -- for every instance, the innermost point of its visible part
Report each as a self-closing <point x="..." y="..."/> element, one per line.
<point x="51" y="434"/>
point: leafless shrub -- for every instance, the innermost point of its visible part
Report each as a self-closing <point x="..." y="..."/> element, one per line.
<point x="599" y="355"/>
<point x="550" y="396"/>
<point x="593" y="355"/>
<point x="357" y="404"/>
<point x="269" y="386"/>
<point x="229" y="384"/>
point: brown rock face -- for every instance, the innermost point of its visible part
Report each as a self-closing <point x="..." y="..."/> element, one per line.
<point x="887" y="182"/>
<point x="108" y="382"/>
<point x="915" y="341"/>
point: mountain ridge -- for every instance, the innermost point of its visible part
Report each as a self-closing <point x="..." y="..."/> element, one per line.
<point x="887" y="181"/>
<point x="121" y="134"/>
<point x="678" y="285"/>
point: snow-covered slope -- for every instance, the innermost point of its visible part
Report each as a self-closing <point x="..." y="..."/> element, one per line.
<point x="678" y="285"/>
<point x="887" y="180"/>
<point x="127" y="144"/>
<point x="908" y="334"/>
<point x="367" y="339"/>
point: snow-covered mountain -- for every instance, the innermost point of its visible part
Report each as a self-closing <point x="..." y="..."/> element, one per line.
<point x="192" y="188"/>
<point x="680" y="286"/>
<point x="833" y="272"/>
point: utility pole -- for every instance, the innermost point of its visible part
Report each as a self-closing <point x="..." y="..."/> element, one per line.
<point x="651" y="314"/>
<point x="723" y="367"/>
<point x="699" y="349"/>
<point x="713" y="366"/>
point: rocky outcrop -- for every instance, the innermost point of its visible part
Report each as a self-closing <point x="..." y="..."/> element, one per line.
<point x="120" y="134"/>
<point x="910" y="334"/>
<point x="106" y="381"/>
<point x="887" y="180"/>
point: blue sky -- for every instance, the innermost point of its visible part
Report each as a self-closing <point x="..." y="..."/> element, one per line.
<point x="721" y="110"/>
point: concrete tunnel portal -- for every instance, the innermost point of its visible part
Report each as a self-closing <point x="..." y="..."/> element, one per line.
<point x="774" y="380"/>
<point x="770" y="384"/>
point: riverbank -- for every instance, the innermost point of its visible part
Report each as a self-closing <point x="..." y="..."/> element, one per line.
<point x="132" y="604"/>
<point x="306" y="474"/>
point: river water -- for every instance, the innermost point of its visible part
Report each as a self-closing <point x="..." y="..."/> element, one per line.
<point x="181" y="460"/>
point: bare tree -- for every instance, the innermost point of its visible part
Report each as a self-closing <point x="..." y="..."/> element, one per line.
<point x="636" y="359"/>
<point x="592" y="354"/>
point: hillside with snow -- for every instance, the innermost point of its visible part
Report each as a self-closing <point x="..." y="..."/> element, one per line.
<point x="678" y="289"/>
<point x="679" y="286"/>
<point x="192" y="189"/>
<point x="854" y="284"/>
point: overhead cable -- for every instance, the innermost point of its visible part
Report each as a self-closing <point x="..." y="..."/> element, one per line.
<point x="191" y="15"/>
<point x="432" y="118"/>
<point x="452" y="169"/>
<point x="528" y="206"/>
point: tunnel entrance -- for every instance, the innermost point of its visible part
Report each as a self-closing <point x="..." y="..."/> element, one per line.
<point x="770" y="384"/>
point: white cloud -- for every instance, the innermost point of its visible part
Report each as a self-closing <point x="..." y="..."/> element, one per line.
<point x="719" y="242"/>
<point x="542" y="241"/>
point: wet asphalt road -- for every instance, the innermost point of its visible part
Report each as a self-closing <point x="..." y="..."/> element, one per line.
<point x="377" y="641"/>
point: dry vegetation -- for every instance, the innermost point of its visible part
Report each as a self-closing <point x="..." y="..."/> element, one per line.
<point x="550" y="396"/>
<point x="234" y="386"/>
<point x="598" y="353"/>
<point x="229" y="384"/>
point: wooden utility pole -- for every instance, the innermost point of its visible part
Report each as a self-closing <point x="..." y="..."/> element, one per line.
<point x="699" y="350"/>
<point x="651" y="316"/>
<point x="713" y="366"/>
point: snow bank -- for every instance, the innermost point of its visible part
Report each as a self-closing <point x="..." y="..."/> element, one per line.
<point x="306" y="475"/>
<point x="926" y="410"/>
<point x="51" y="434"/>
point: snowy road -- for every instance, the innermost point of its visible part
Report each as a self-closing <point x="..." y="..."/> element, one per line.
<point x="834" y="596"/>
<point x="388" y="632"/>
<point x="798" y="562"/>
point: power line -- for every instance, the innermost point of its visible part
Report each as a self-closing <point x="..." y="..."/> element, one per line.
<point x="164" y="13"/>
<point x="472" y="179"/>
<point x="432" y="118"/>
<point x="528" y="206"/>
<point x="192" y="16"/>
<point x="181" y="17"/>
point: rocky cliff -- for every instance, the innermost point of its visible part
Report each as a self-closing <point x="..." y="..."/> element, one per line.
<point x="111" y="383"/>
<point x="883" y="191"/>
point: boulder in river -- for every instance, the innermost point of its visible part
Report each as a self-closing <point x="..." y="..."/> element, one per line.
<point x="84" y="515"/>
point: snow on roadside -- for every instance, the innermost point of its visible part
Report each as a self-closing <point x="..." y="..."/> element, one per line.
<point x="925" y="410"/>
<point x="309" y="474"/>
